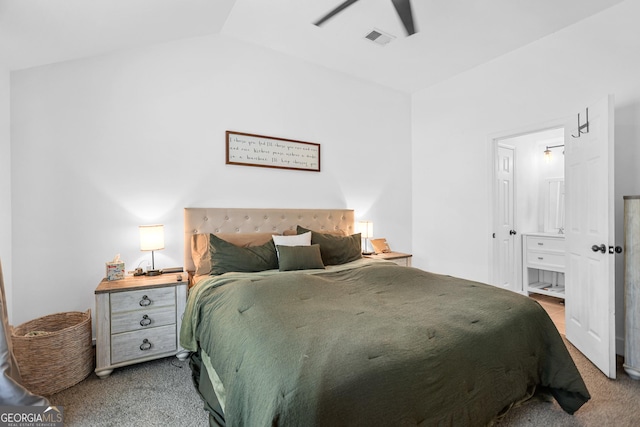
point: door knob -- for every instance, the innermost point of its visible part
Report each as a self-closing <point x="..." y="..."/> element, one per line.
<point x="512" y="232"/>
<point x="602" y="248"/>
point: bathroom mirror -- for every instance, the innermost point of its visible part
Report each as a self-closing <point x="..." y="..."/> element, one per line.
<point x="553" y="191"/>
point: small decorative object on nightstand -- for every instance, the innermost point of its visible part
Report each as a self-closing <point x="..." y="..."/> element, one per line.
<point x="380" y="246"/>
<point x="139" y="319"/>
<point x="397" y="257"/>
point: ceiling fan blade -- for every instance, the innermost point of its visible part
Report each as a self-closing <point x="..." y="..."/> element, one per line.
<point x="403" y="7"/>
<point x="334" y="12"/>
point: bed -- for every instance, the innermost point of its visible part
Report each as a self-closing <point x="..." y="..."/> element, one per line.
<point x="337" y="339"/>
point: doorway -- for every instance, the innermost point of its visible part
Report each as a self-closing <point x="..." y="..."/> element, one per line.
<point x="588" y="231"/>
<point x="528" y="183"/>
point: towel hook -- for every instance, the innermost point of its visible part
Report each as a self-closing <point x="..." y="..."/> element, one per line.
<point x="582" y="128"/>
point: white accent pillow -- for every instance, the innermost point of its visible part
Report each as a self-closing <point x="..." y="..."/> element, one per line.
<point x="303" y="239"/>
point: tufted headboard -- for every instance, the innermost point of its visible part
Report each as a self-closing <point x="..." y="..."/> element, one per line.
<point x="276" y="221"/>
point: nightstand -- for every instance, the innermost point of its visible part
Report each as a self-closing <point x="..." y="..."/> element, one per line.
<point x="397" y="257"/>
<point x="138" y="319"/>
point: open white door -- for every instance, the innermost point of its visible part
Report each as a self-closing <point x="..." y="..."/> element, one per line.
<point x="590" y="285"/>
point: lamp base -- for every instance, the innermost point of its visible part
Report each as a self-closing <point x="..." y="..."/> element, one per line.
<point x="153" y="272"/>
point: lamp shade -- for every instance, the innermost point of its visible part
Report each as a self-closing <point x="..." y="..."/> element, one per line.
<point x="365" y="228"/>
<point x="151" y="237"/>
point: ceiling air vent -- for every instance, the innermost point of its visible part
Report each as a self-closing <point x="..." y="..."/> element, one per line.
<point x="379" y="37"/>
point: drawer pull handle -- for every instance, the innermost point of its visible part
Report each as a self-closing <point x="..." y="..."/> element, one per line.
<point x="540" y="258"/>
<point x="146" y="345"/>
<point x="145" y="321"/>
<point x="540" y="244"/>
<point x="145" y="301"/>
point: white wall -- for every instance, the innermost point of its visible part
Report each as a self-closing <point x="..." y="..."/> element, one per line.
<point x="553" y="78"/>
<point x="103" y="145"/>
<point x="5" y="188"/>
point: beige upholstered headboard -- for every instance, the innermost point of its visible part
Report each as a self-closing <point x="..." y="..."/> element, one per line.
<point x="276" y="221"/>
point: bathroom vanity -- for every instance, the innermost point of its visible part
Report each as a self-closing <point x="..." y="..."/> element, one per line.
<point x="543" y="264"/>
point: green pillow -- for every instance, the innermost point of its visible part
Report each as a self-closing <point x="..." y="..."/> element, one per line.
<point x="226" y="257"/>
<point x="336" y="250"/>
<point x="300" y="257"/>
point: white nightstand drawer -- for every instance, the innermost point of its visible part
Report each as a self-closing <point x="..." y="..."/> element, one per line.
<point x="555" y="261"/>
<point x="535" y="243"/>
<point x="147" y="298"/>
<point x="142" y="319"/>
<point x="132" y="345"/>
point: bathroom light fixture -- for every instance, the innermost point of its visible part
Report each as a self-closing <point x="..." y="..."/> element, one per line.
<point x="152" y="239"/>
<point x="366" y="231"/>
<point x="547" y="152"/>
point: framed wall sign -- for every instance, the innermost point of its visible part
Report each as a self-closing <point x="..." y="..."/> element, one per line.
<point x="269" y="152"/>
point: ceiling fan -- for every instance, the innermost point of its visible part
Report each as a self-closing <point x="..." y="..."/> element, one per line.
<point x="403" y="7"/>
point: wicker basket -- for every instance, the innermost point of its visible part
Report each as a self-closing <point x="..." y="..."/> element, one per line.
<point x="60" y="357"/>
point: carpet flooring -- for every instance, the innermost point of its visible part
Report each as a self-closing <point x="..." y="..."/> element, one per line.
<point x="156" y="393"/>
<point x="613" y="402"/>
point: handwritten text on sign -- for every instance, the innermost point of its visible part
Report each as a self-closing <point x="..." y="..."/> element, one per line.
<point x="258" y="150"/>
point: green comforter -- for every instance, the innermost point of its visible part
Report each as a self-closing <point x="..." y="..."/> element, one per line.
<point x="374" y="344"/>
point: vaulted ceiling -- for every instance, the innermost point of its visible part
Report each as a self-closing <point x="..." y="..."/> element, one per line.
<point x="453" y="35"/>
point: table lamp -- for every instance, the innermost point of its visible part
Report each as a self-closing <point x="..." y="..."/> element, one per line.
<point x="152" y="239"/>
<point x="366" y="231"/>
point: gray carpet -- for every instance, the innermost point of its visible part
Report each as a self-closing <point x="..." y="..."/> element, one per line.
<point x="160" y="393"/>
<point x="613" y="402"/>
<point x="156" y="393"/>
